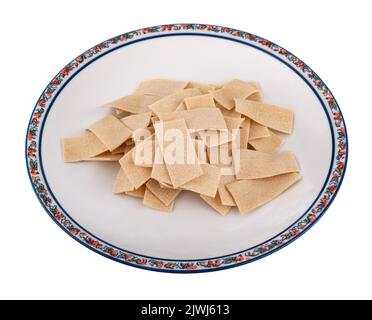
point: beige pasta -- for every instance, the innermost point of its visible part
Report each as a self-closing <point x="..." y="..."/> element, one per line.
<point x="138" y="121"/>
<point x="198" y="119"/>
<point x="122" y="183"/>
<point x="268" y="115"/>
<point x="251" y="194"/>
<point x="151" y="201"/>
<point x="82" y="147"/>
<point x="232" y="90"/>
<point x="207" y="183"/>
<point x="160" y="87"/>
<point x="164" y="194"/>
<point x="250" y="164"/>
<point x="203" y="101"/>
<point x="186" y="168"/>
<point x="133" y="104"/>
<point x="111" y="131"/>
<point x="216" y="140"/>
<point x="171" y="103"/>
<point x="216" y="204"/>
<point x="267" y="144"/>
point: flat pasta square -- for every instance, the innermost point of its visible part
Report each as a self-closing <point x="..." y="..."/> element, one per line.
<point x="160" y="87"/>
<point x="144" y="152"/>
<point x="198" y="119"/>
<point x="201" y="101"/>
<point x="232" y="90"/>
<point x="135" y="104"/>
<point x="137" y="121"/>
<point x="122" y="183"/>
<point x="207" y="183"/>
<point x="165" y="195"/>
<point x="213" y="138"/>
<point x="268" y="115"/>
<point x="82" y="147"/>
<point x="181" y="106"/>
<point x="268" y="144"/>
<point x="252" y="164"/>
<point x="111" y="131"/>
<point x="106" y="156"/>
<point x="137" y="193"/>
<point x="257" y="131"/>
<point x="257" y="96"/>
<point x="216" y="204"/>
<point x="171" y="103"/>
<point x="185" y="166"/>
<point x="120" y="149"/>
<point x="225" y="196"/>
<point x="204" y="87"/>
<point x="151" y="201"/>
<point x="244" y="137"/>
<point x="251" y="194"/>
<point x="136" y="175"/>
<point x="159" y="170"/>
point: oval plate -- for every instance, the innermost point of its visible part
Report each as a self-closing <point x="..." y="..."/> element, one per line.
<point x="193" y="238"/>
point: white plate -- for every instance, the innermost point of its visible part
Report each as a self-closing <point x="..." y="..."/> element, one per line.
<point x="193" y="238"/>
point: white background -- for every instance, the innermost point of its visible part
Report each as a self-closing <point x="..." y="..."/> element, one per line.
<point x="38" y="260"/>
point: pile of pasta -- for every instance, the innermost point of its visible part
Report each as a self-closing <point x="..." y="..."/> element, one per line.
<point x="211" y="117"/>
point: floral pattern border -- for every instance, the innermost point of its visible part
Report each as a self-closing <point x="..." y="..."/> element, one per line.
<point x="175" y="265"/>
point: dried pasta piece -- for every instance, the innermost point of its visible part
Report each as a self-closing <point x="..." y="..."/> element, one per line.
<point x="159" y="170"/>
<point x="198" y="119"/>
<point x="251" y="164"/>
<point x="213" y="138"/>
<point x="137" y="193"/>
<point x="207" y="183"/>
<point x="133" y="104"/>
<point x="106" y="156"/>
<point x="151" y="201"/>
<point x="204" y="87"/>
<point x="233" y="122"/>
<point x="244" y="136"/>
<point x="257" y="131"/>
<point x="225" y="196"/>
<point x="136" y="175"/>
<point x="141" y="134"/>
<point x="120" y="149"/>
<point x="82" y="147"/>
<point x="257" y="96"/>
<point x="160" y="87"/>
<point x="128" y="148"/>
<point x="144" y="152"/>
<point x="171" y="102"/>
<point x="221" y="155"/>
<point x="268" y="144"/>
<point x="200" y="149"/>
<point x="202" y="101"/>
<point x="165" y="195"/>
<point x="181" y="170"/>
<point x="216" y="204"/>
<point x="232" y="90"/>
<point x="111" y="131"/>
<point x="181" y="106"/>
<point x="122" y="183"/>
<point x="251" y="194"/>
<point x="229" y="113"/>
<point x="137" y="121"/>
<point x="268" y="115"/>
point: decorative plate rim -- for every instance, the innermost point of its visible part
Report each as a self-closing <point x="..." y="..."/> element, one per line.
<point x="293" y="232"/>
